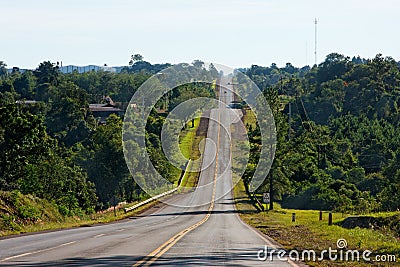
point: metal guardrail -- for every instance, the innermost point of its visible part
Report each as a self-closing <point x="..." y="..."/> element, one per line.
<point x="157" y="196"/>
<point x="150" y="200"/>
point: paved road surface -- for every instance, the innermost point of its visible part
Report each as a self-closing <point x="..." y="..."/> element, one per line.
<point x="209" y="233"/>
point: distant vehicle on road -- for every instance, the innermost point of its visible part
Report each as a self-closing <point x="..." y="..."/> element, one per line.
<point x="235" y="105"/>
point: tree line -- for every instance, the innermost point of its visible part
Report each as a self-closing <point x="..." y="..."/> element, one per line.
<point x="53" y="146"/>
<point x="340" y="149"/>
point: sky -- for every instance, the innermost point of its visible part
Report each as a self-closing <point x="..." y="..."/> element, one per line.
<point x="236" y="33"/>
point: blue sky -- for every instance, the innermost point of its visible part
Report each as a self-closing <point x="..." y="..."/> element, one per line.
<point x="236" y="33"/>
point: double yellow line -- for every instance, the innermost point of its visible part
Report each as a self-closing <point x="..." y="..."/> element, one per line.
<point x="161" y="250"/>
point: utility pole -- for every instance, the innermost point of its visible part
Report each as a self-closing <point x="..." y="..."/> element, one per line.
<point x="271" y="184"/>
<point x="271" y="190"/>
<point x="290" y="118"/>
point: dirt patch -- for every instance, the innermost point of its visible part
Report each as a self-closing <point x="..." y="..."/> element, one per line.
<point x="239" y="131"/>
<point x="203" y="124"/>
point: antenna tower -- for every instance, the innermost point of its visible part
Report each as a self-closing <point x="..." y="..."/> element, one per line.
<point x="315" y="43"/>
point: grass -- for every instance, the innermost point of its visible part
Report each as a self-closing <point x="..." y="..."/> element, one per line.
<point x="250" y="118"/>
<point x="310" y="233"/>
<point x="190" y="145"/>
<point x="186" y="139"/>
<point x="190" y="178"/>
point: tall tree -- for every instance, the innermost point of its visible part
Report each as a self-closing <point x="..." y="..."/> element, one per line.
<point x="3" y="70"/>
<point x="135" y="58"/>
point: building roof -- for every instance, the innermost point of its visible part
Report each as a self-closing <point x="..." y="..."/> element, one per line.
<point x="26" y="102"/>
<point x="103" y="107"/>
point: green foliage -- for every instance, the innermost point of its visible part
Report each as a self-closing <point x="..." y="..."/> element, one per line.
<point x="47" y="73"/>
<point x="343" y="152"/>
<point x="68" y="118"/>
<point x="103" y="159"/>
<point x="3" y="70"/>
<point x="53" y="147"/>
<point x="135" y="58"/>
<point x="34" y="164"/>
<point x="17" y="210"/>
<point x="24" y="140"/>
<point x="120" y="87"/>
<point x="189" y="91"/>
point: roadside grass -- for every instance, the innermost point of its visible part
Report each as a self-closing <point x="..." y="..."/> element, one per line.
<point x="186" y="139"/>
<point x="190" y="178"/>
<point x="249" y="118"/>
<point x="308" y="233"/>
<point x="191" y="145"/>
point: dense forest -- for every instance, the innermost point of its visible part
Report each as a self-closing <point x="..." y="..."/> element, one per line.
<point x="55" y="148"/>
<point x="336" y="122"/>
<point x="338" y="146"/>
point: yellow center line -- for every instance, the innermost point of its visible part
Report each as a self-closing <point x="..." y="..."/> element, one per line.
<point x="161" y="250"/>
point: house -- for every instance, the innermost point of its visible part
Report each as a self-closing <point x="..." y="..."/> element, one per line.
<point x="102" y="111"/>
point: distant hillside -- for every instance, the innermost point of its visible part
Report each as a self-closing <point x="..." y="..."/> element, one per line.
<point x="139" y="66"/>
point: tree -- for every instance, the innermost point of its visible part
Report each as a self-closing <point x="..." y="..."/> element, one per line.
<point x="213" y="70"/>
<point x="104" y="160"/>
<point x="135" y="58"/>
<point x="198" y="63"/>
<point x="7" y="92"/>
<point x="23" y="140"/>
<point x="334" y="66"/>
<point x="3" y="70"/>
<point x="24" y="84"/>
<point x="33" y="163"/>
<point x="47" y="73"/>
<point x="69" y="119"/>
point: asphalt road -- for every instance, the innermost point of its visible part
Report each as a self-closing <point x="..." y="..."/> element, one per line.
<point x="201" y="228"/>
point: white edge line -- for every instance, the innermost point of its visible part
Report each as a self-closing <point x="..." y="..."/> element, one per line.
<point x="36" y="252"/>
<point x="269" y="243"/>
<point x="99" y="235"/>
<point x="262" y="236"/>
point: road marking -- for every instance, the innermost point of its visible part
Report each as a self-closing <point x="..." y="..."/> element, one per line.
<point x="99" y="235"/>
<point x="36" y="252"/>
<point x="269" y="243"/>
<point x="266" y="240"/>
<point x="161" y="250"/>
